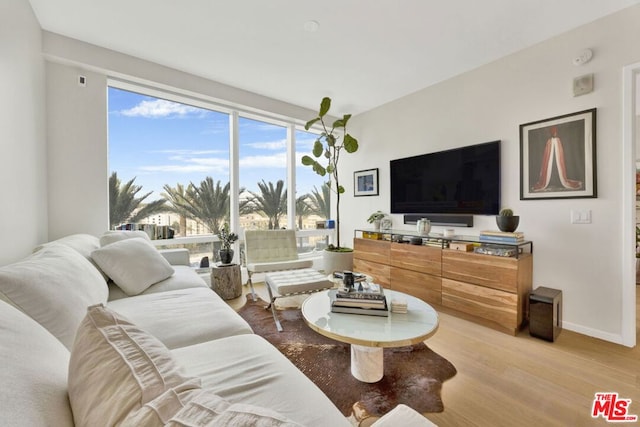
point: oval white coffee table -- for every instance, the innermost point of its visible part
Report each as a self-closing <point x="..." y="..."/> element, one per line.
<point x="368" y="335"/>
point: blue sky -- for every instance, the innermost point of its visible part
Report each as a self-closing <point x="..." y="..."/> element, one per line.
<point x="162" y="142"/>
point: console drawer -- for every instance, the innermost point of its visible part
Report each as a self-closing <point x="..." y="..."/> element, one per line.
<point x="379" y="272"/>
<point x="486" y="270"/>
<point x="490" y="304"/>
<point x="424" y="286"/>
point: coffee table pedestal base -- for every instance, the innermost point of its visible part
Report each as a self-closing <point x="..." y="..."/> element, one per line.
<point x="367" y="363"/>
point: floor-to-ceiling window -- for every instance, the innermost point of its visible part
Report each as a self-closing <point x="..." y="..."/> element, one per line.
<point x="171" y="162"/>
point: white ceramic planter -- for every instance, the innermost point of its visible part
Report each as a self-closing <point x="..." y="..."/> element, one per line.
<point x="337" y="261"/>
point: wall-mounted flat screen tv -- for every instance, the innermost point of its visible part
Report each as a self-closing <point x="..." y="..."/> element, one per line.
<point x="463" y="180"/>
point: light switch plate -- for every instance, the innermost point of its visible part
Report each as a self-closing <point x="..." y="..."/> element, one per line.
<point x="583" y="85"/>
<point x="581" y="216"/>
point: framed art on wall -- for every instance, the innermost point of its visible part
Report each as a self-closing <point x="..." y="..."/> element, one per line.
<point x="365" y="182"/>
<point x="558" y="157"/>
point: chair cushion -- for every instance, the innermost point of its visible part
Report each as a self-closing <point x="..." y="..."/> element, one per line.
<point x="133" y="264"/>
<point x="270" y="246"/>
<point x="296" y="281"/>
<point x="279" y="265"/>
<point x="183" y="317"/>
<point x="33" y="373"/>
<point x="54" y="286"/>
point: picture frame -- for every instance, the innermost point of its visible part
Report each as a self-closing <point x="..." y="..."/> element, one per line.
<point x="558" y="157"/>
<point x="365" y="182"/>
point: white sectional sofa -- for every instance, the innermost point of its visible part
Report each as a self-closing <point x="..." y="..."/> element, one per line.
<point x="154" y="346"/>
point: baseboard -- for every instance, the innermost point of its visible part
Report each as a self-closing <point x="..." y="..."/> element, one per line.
<point x="595" y="333"/>
<point x="453" y="220"/>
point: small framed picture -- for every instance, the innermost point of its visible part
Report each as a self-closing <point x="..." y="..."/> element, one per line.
<point x="365" y="182"/>
<point x="558" y="157"/>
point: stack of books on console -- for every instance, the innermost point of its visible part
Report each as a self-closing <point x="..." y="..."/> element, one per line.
<point x="501" y="237"/>
<point x="364" y="298"/>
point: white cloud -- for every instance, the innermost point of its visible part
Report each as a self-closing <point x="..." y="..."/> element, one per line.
<point x="268" y="145"/>
<point x="160" y="108"/>
<point x="278" y="160"/>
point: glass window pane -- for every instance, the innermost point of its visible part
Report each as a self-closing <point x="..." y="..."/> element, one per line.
<point x="263" y="174"/>
<point x="313" y="197"/>
<point x="169" y="166"/>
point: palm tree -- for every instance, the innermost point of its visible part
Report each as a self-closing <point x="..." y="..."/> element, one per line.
<point x="125" y="207"/>
<point x="208" y="202"/>
<point x="303" y="209"/>
<point x="272" y="202"/>
<point x="176" y="196"/>
<point x="319" y="201"/>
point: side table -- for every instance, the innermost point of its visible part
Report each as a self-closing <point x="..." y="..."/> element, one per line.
<point x="226" y="280"/>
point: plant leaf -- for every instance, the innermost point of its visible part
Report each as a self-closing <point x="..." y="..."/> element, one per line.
<point x="350" y="144"/>
<point x="324" y="106"/>
<point x="340" y="189"/>
<point x="310" y="123"/>
<point x="319" y="169"/>
<point x="330" y="168"/>
<point x="318" y="148"/>
<point x="331" y="140"/>
<point x="327" y="154"/>
<point x="307" y="161"/>
<point x="340" y="123"/>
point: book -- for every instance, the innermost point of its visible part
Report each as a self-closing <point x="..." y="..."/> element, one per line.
<point x="518" y="234"/>
<point x="498" y="239"/>
<point x="360" y="304"/>
<point x="362" y="291"/>
<point x="366" y="311"/>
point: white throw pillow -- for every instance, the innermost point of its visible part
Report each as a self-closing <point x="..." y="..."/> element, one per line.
<point x="116" y="368"/>
<point x="33" y="373"/>
<point x="116" y="235"/>
<point x="54" y="286"/>
<point x="133" y="264"/>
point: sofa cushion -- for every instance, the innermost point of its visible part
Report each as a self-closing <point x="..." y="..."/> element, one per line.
<point x="115" y="368"/>
<point x="183" y="278"/>
<point x="33" y="373"/>
<point x="54" y="286"/>
<point x="84" y="244"/>
<point x="246" y="368"/>
<point x="182" y="317"/>
<point x="113" y="236"/>
<point x="133" y="264"/>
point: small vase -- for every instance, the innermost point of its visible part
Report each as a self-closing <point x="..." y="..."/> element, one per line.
<point x="376" y="224"/>
<point x="423" y="226"/>
<point x="226" y="256"/>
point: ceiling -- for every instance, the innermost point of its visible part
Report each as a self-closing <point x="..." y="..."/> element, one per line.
<point x="363" y="54"/>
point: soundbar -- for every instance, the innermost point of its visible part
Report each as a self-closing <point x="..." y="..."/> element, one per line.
<point x="452" y="220"/>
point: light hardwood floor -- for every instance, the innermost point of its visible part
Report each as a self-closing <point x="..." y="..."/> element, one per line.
<point x="523" y="381"/>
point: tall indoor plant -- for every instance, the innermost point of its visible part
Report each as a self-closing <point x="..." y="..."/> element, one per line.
<point x="326" y="150"/>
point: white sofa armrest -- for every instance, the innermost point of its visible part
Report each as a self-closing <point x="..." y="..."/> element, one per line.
<point x="179" y="256"/>
<point x="402" y="415"/>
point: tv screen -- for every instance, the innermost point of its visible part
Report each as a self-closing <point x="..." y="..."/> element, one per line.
<point x="463" y="180"/>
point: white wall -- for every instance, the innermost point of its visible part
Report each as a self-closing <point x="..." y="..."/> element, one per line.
<point x="23" y="197"/>
<point x="77" y="160"/>
<point x="490" y="103"/>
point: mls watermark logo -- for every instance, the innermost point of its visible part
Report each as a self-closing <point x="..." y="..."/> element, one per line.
<point x="612" y="408"/>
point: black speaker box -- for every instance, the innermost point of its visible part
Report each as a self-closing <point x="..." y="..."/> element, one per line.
<point x="545" y="313"/>
<point x="453" y="220"/>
